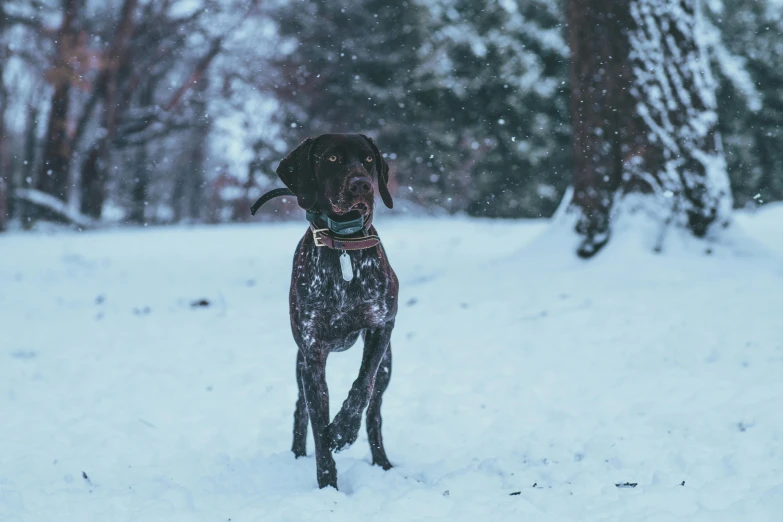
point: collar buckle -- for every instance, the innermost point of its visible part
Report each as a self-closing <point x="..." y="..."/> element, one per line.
<point x="319" y="242"/>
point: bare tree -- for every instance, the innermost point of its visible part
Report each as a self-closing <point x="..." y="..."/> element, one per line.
<point x="53" y="178"/>
<point x="123" y="124"/>
<point x="643" y="107"/>
<point x="5" y="160"/>
<point x="117" y="64"/>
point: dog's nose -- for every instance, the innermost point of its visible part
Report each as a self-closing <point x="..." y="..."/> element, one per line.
<point x="360" y="186"/>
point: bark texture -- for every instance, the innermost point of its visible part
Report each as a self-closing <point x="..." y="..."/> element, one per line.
<point x="53" y="177"/>
<point x="643" y="108"/>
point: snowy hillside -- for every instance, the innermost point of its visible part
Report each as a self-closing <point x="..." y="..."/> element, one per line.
<point x="527" y="384"/>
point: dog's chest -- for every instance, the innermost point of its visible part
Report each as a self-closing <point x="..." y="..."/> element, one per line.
<point x="327" y="299"/>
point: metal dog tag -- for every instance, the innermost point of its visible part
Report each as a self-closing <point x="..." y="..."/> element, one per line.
<point x="345" y="266"/>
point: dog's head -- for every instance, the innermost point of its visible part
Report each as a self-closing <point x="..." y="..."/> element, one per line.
<point x="334" y="173"/>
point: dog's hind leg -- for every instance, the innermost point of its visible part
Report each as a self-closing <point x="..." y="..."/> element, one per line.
<point x="382" y="378"/>
<point x="344" y="429"/>
<point x="301" y="417"/>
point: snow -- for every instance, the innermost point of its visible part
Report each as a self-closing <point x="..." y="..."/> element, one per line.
<point x="55" y="205"/>
<point x="517" y="368"/>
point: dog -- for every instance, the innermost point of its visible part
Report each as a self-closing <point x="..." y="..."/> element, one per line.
<point x="342" y="287"/>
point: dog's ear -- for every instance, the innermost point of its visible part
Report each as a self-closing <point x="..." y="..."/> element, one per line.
<point x="296" y="171"/>
<point x="383" y="173"/>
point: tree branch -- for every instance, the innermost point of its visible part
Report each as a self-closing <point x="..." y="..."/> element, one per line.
<point x="201" y="66"/>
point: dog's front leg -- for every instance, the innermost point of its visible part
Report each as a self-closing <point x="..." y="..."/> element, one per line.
<point x="301" y="418"/>
<point x="382" y="378"/>
<point x="344" y="430"/>
<point x="317" y="397"/>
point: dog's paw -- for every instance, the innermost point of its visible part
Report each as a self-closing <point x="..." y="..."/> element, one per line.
<point x="383" y="462"/>
<point x="342" y="433"/>
<point x="299" y="453"/>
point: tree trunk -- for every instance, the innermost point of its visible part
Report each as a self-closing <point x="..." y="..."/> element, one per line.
<point x="26" y="210"/>
<point x="178" y="192"/>
<point x="644" y="118"/>
<point x="93" y="187"/>
<point x="7" y="172"/>
<point x="187" y="196"/>
<point x="138" y="213"/>
<point x="3" y="205"/>
<point x="95" y="172"/>
<point x="5" y="158"/>
<point x="599" y="83"/>
<point x="141" y="180"/>
<point x="53" y="178"/>
<point x="200" y="143"/>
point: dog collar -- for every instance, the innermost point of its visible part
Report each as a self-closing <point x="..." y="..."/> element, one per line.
<point x="336" y="234"/>
<point x="342" y="227"/>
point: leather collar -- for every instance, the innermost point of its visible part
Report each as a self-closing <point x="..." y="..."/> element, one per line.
<point x="325" y="237"/>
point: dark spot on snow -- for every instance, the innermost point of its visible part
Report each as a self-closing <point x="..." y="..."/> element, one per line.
<point x="708" y="251"/>
<point x="682" y="483"/>
<point x="464" y="306"/>
<point x="543" y="313"/>
<point x="24" y="354"/>
<point x="199" y="303"/>
<point x="142" y="311"/>
<point x="250" y="282"/>
<point x="535" y="484"/>
<point x="412" y="301"/>
<point x="100" y="299"/>
<point x="87" y="479"/>
<point x="578" y="457"/>
<point x="742" y="426"/>
<point x="446" y="493"/>
<point x="626" y="484"/>
<point x="209" y="388"/>
<point x="514" y="493"/>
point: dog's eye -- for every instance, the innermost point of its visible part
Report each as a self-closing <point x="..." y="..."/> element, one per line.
<point x="332" y="158"/>
<point x="368" y="159"/>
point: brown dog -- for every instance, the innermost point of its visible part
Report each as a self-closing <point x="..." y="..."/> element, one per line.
<point x="342" y="287"/>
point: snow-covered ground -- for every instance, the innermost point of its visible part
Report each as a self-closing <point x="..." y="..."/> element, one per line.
<point x="526" y="383"/>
